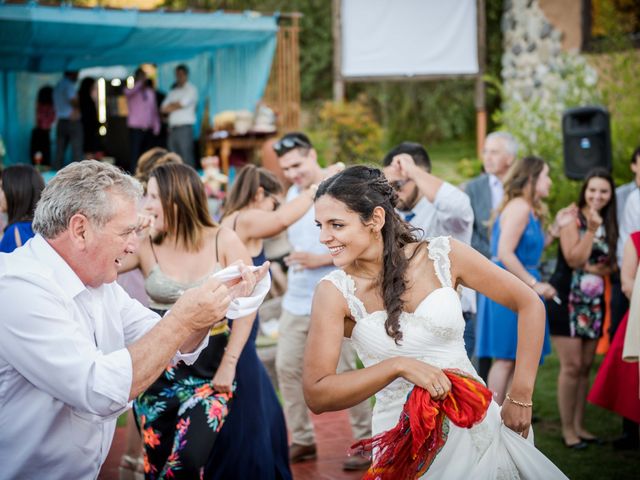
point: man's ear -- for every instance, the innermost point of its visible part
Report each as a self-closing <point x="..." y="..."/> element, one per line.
<point x="313" y="155"/>
<point x="78" y="230"/>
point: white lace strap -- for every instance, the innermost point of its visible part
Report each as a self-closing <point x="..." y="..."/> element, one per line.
<point x="439" y="248"/>
<point x="345" y="285"/>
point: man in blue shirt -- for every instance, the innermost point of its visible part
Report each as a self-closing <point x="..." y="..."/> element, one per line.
<point x="69" y="127"/>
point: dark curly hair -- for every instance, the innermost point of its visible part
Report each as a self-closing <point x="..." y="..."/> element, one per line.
<point x="362" y="189"/>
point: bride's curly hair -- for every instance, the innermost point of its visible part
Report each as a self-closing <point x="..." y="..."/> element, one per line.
<point x="361" y="189"/>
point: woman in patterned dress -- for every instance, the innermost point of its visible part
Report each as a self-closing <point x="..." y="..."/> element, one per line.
<point x="182" y="412"/>
<point x="586" y="256"/>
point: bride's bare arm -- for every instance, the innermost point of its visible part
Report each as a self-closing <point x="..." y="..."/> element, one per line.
<point x="473" y="270"/>
<point x="324" y="389"/>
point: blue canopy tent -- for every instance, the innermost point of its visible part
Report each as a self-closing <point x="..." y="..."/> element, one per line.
<point x="229" y="55"/>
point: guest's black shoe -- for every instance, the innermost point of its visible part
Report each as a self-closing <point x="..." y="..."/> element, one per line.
<point x="580" y="445"/>
<point x="593" y="440"/>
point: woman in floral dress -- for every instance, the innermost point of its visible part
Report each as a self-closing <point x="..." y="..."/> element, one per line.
<point x="586" y="256"/>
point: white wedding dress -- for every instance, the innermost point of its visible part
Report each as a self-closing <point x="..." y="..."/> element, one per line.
<point x="434" y="335"/>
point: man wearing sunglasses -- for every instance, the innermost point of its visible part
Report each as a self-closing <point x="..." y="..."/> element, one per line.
<point x="434" y="206"/>
<point x="308" y="262"/>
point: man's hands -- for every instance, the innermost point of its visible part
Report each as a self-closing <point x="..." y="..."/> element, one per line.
<point x="203" y="306"/>
<point x="244" y="285"/>
<point x="402" y="168"/>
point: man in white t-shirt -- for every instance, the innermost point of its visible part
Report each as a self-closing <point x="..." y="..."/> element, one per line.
<point x="308" y="263"/>
<point x="180" y="104"/>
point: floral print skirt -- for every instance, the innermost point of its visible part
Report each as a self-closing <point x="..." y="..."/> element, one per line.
<point x="180" y="416"/>
<point x="586" y="305"/>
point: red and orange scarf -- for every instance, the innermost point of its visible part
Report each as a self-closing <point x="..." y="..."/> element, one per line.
<point x="408" y="449"/>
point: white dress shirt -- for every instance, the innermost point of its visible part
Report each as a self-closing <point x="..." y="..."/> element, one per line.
<point x="187" y="96"/>
<point x="450" y="214"/>
<point x="629" y="223"/>
<point x="497" y="191"/>
<point x="65" y="371"/>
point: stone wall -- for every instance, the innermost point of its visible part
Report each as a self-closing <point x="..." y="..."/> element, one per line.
<point x="532" y="48"/>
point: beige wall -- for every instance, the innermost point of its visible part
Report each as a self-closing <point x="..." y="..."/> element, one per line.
<point x="566" y="16"/>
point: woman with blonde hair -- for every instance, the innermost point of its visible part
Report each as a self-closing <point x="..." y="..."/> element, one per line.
<point x="183" y="411"/>
<point x="517" y="242"/>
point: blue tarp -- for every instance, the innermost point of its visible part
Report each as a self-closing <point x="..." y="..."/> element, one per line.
<point x="229" y="55"/>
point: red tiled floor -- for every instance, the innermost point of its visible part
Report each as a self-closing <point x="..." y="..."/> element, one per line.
<point x="333" y="435"/>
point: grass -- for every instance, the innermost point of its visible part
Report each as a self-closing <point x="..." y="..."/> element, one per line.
<point x="446" y="159"/>
<point x="594" y="462"/>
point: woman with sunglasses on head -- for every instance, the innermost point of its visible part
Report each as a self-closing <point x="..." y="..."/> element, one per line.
<point x="183" y="411"/>
<point x="253" y="441"/>
<point x="586" y="255"/>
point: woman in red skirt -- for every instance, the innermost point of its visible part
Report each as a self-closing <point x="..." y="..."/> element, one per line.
<point x="616" y="385"/>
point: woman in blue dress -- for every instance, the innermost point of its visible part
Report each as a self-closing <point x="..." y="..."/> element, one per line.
<point x="517" y="242"/>
<point x="20" y="189"/>
<point x="253" y="441"/>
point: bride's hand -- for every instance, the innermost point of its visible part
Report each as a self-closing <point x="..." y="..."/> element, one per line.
<point x="426" y="376"/>
<point x="516" y="417"/>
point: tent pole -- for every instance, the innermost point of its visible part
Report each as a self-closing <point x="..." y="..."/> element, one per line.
<point x="338" y="81"/>
<point x="480" y="97"/>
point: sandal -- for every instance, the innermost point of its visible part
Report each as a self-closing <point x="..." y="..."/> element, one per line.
<point x="131" y="468"/>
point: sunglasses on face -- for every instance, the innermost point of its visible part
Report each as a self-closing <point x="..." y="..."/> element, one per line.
<point x="283" y="146"/>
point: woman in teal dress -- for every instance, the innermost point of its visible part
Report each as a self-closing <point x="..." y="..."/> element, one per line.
<point x="517" y="242"/>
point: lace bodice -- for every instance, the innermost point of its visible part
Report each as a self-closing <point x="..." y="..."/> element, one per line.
<point x="433" y="333"/>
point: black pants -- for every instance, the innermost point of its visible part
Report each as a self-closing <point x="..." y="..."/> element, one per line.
<point x="140" y="140"/>
<point x="41" y="142"/>
<point x="68" y="132"/>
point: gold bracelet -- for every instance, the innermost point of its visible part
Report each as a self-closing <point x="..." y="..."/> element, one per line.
<point x="520" y="404"/>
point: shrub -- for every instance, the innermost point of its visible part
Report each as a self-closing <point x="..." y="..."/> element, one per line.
<point x="351" y="131"/>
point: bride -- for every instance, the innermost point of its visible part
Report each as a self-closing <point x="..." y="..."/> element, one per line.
<point x="396" y="299"/>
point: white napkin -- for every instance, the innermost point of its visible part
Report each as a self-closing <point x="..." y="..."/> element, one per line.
<point x="243" y="306"/>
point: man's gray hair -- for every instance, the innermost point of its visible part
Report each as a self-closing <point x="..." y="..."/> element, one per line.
<point x="82" y="187"/>
<point x="510" y="143"/>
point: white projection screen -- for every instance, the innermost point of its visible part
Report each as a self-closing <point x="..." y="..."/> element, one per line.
<point x="392" y="38"/>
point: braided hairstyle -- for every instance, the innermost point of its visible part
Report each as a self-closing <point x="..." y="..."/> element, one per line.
<point x="361" y="189"/>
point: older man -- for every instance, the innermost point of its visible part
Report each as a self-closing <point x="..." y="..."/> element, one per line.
<point x="485" y="192"/>
<point x="74" y="347"/>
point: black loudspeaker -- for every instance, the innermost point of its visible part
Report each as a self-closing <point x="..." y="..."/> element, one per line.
<point x="587" y="140"/>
